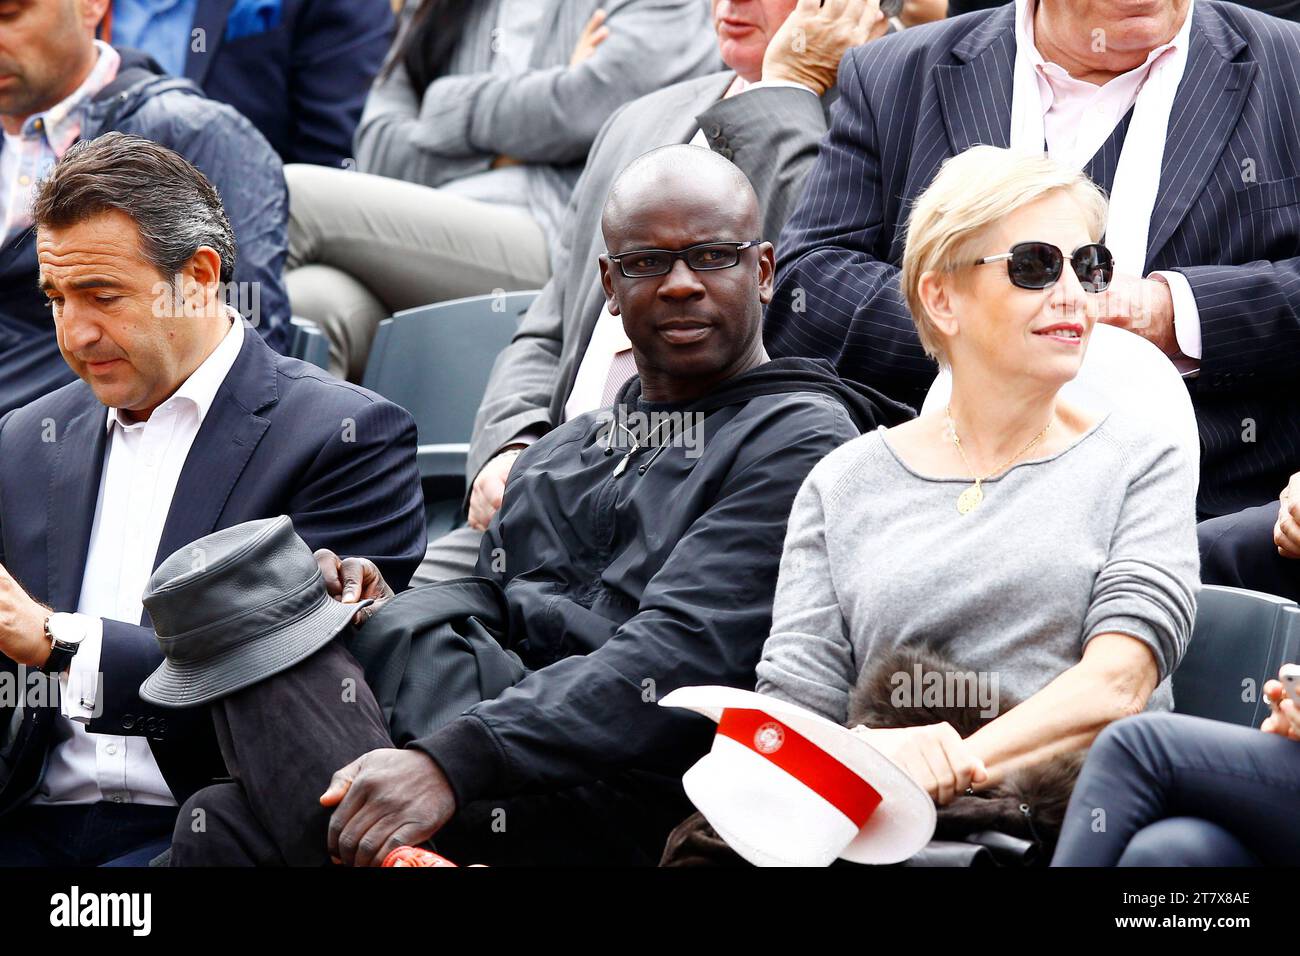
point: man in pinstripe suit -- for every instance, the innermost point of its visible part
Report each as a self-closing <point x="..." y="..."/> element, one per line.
<point x="569" y="353"/>
<point x="1219" y="287"/>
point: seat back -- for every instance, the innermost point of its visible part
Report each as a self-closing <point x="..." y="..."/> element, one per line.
<point x="1121" y="370"/>
<point x="1239" y="641"/>
<point x="435" y="361"/>
<point x="308" y="342"/>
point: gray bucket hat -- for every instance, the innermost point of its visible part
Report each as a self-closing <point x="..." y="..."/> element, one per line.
<point x="235" y="607"/>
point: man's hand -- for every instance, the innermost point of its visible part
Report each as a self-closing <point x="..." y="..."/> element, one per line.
<point x="810" y="43"/>
<point x="593" y="35"/>
<point x="1144" y="306"/>
<point x="1286" y="533"/>
<point x="1285" y="718"/>
<point x="351" y="580"/>
<point x="935" y="756"/>
<point x="22" y="624"/>
<point x="383" y="800"/>
<point x="489" y="486"/>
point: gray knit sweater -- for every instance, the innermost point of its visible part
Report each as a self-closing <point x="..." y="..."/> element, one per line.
<point x="1098" y="538"/>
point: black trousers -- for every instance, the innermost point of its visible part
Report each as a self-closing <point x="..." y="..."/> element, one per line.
<point x="1237" y="551"/>
<point x="284" y="737"/>
<point x="1175" y="790"/>
<point x="94" y="834"/>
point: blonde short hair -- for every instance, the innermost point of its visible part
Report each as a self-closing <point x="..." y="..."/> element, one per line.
<point x="972" y="192"/>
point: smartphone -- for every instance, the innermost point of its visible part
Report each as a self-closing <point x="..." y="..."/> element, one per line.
<point x="1290" y="677"/>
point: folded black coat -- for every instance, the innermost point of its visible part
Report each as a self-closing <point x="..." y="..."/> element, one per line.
<point x="625" y="581"/>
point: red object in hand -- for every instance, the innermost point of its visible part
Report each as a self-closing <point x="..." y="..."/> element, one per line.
<point x="415" y="856"/>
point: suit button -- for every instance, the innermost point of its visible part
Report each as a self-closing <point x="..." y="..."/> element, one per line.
<point x="128" y="721"/>
<point x="716" y="130"/>
<point x="726" y="152"/>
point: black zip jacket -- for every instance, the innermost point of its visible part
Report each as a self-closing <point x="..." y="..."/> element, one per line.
<point x="625" y="581"/>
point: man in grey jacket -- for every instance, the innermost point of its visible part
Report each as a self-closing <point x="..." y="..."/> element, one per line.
<point x="766" y="114"/>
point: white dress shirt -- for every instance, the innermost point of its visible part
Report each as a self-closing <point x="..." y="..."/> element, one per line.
<point x="1078" y="117"/>
<point x="142" y="463"/>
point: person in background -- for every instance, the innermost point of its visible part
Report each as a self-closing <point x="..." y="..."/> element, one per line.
<point x="766" y="113"/>
<point x="1258" y="548"/>
<point x="1183" y="116"/>
<point x="63" y="85"/>
<point x="469" y="147"/>
<point x="1178" y="790"/>
<point x="1065" y="537"/>
<point x="299" y="70"/>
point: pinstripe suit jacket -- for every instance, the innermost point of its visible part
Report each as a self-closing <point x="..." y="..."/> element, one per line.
<point x="771" y="134"/>
<point x="1227" y="217"/>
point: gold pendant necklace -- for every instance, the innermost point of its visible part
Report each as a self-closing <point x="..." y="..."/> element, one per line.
<point x="970" y="499"/>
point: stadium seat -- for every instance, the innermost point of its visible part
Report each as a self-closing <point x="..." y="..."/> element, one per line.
<point x="1239" y="641"/>
<point x="1120" y="370"/>
<point x="308" y="342"/>
<point x="435" y="361"/>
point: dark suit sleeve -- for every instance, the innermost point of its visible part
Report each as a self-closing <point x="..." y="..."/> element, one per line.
<point x="835" y="297"/>
<point x="338" y="48"/>
<point x="1250" y="319"/>
<point x="361" y="495"/>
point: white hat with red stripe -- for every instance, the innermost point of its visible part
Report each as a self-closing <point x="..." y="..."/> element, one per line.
<point x="784" y="786"/>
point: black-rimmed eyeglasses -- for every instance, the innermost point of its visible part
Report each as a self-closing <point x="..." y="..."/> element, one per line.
<point x="1037" y="265"/>
<point x="707" y="256"/>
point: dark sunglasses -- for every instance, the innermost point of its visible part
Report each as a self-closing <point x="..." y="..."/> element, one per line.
<point x="1037" y="265"/>
<point x="707" y="256"/>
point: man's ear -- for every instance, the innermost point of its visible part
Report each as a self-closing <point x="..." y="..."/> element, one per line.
<point x="607" y="283"/>
<point x="935" y="292"/>
<point x="92" y="14"/>
<point x="202" y="283"/>
<point x="766" y="272"/>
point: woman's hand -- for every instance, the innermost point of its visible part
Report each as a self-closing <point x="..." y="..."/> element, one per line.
<point x="1285" y="719"/>
<point x="593" y="35"/>
<point x="350" y="580"/>
<point x="935" y="756"/>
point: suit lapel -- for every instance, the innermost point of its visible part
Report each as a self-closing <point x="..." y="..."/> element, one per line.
<point x="210" y="17"/>
<point x="1206" y="109"/>
<point x="74" y="494"/>
<point x="975" y="93"/>
<point x="226" y="441"/>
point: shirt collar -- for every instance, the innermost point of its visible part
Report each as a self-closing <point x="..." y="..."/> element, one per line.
<point x="61" y="123"/>
<point x="1046" y="70"/>
<point x="199" y="391"/>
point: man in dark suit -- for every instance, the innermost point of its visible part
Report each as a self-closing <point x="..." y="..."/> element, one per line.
<point x="1216" y="284"/>
<point x="184" y="422"/>
<point x="765" y="113"/>
<point x="298" y="69"/>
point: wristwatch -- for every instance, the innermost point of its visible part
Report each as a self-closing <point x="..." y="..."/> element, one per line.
<point x="65" y="633"/>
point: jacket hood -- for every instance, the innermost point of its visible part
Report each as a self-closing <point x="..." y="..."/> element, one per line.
<point x="139" y="79"/>
<point x="867" y="407"/>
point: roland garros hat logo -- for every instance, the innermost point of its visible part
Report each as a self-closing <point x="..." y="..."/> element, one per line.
<point x="769" y="738"/>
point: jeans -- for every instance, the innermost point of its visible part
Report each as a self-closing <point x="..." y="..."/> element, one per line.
<point x="1174" y="790"/>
